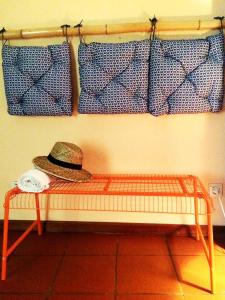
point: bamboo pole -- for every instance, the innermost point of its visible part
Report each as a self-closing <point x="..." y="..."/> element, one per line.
<point x="111" y="29"/>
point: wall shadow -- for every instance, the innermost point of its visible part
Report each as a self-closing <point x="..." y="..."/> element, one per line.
<point x="95" y="158"/>
<point x="74" y="79"/>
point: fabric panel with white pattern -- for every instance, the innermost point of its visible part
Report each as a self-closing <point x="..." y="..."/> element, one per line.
<point x="114" y="77"/>
<point x="186" y="76"/>
<point x="38" y="80"/>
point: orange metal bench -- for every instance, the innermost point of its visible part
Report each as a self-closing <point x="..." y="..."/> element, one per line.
<point x="125" y="193"/>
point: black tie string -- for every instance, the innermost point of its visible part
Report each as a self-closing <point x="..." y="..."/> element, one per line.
<point x="78" y="26"/>
<point x="153" y="27"/>
<point x="221" y="22"/>
<point x="3" y="39"/>
<point x="64" y="28"/>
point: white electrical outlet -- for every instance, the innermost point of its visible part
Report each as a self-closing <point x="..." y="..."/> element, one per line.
<point x="215" y="189"/>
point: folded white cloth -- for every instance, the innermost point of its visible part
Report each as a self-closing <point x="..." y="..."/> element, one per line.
<point x="33" y="181"/>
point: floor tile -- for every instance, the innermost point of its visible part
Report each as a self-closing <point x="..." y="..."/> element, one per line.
<point x="146" y="274"/>
<point x="142" y="245"/>
<point x="29" y="274"/>
<point x="82" y="297"/>
<point x="204" y="297"/>
<point x="45" y="244"/>
<point x="193" y="272"/>
<point x="12" y="236"/>
<point x="150" y="297"/>
<point x="219" y="247"/>
<point x="189" y="246"/>
<point x="144" y="269"/>
<point x="87" y="274"/>
<point x="22" y="297"/>
<point x="185" y="246"/>
<point x="91" y="244"/>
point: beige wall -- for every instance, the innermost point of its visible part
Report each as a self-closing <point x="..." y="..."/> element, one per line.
<point x="111" y="143"/>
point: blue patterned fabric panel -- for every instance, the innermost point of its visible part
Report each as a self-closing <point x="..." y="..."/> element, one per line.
<point x="186" y="76"/>
<point x="114" y="77"/>
<point x="38" y="80"/>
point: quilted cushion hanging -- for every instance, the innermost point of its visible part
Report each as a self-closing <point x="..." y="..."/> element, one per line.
<point x="114" y="77"/>
<point x="186" y="76"/>
<point x="38" y="80"/>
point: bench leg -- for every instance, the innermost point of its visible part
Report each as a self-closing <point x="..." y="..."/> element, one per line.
<point x="7" y="251"/>
<point x="196" y="219"/>
<point x="5" y="241"/>
<point x="196" y="209"/>
<point x="211" y="252"/>
<point x="39" y="227"/>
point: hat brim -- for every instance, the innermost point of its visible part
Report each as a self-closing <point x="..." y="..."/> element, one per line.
<point x="43" y="164"/>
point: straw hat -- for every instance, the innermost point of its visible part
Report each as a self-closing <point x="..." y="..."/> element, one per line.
<point x="64" y="161"/>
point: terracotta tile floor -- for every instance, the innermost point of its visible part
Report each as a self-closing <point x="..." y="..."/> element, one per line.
<point x="82" y="266"/>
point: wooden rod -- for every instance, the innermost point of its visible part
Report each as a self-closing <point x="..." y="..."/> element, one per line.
<point x="111" y="29"/>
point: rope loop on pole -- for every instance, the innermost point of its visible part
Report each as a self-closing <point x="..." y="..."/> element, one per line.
<point x="2" y="33"/>
<point x="64" y="28"/>
<point x="221" y="21"/>
<point x="153" y="27"/>
<point x="78" y="26"/>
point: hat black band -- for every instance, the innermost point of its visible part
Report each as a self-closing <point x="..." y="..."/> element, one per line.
<point x="63" y="163"/>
